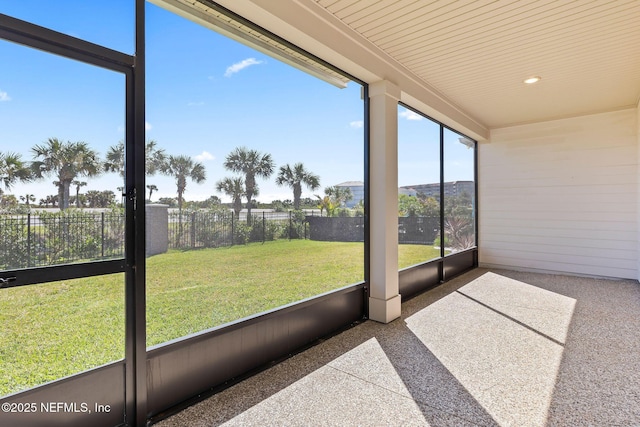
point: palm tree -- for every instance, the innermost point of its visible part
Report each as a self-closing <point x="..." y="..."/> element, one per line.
<point x="13" y="169"/>
<point x="325" y="203"/>
<point x="49" y="200"/>
<point x="151" y="189"/>
<point x="28" y="198"/>
<point x="234" y="188"/>
<point x="93" y="198"/>
<point x="66" y="160"/>
<point x="155" y="158"/>
<point x="8" y="201"/>
<point x="294" y="178"/>
<point x="251" y="163"/>
<point x="114" y="159"/>
<point x="339" y="195"/>
<point x="181" y="168"/>
<point x="78" y="184"/>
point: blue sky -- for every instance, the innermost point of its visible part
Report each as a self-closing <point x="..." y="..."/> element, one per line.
<point x="206" y="95"/>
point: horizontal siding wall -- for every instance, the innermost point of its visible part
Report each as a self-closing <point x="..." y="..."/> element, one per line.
<point x="638" y="216"/>
<point x="562" y="196"/>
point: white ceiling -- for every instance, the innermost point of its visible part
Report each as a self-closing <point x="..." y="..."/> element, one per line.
<point x="477" y="53"/>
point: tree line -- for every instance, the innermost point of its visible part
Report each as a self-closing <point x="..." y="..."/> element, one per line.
<point x="70" y="162"/>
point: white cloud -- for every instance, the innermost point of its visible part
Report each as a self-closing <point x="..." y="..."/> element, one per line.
<point x="195" y="104"/>
<point x="241" y="65"/>
<point x="4" y="96"/>
<point x="410" y="115"/>
<point x="204" y="156"/>
<point x="357" y="124"/>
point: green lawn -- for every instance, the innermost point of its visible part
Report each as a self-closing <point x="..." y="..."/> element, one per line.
<point x="409" y="255"/>
<point x="58" y="329"/>
<point x="194" y="290"/>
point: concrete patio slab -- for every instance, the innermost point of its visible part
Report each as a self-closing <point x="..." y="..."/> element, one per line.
<point x="489" y="348"/>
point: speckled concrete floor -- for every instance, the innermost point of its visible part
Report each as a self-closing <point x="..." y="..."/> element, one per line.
<point x="489" y="348"/>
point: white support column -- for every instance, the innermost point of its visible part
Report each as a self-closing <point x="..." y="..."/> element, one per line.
<point x="384" y="297"/>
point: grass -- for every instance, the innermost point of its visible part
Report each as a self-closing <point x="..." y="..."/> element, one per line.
<point x="57" y="329"/>
<point x="225" y="284"/>
<point x="409" y="255"/>
<point x="53" y="330"/>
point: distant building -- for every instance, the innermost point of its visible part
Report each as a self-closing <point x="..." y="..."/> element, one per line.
<point x="452" y="188"/>
<point x="357" y="192"/>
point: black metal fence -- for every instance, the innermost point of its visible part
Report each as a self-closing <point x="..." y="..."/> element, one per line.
<point x="202" y="229"/>
<point x="45" y="238"/>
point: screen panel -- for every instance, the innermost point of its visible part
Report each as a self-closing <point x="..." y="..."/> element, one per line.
<point x="459" y="191"/>
<point x="62" y="227"/>
<point x="419" y="188"/>
<point x="262" y="185"/>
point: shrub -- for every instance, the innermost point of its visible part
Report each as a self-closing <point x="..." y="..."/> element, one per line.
<point x="241" y="233"/>
<point x="297" y="225"/>
<point x="70" y="235"/>
<point x="343" y="212"/>
<point x="14" y="243"/>
<point x="273" y="230"/>
<point x="59" y="237"/>
<point x="215" y="230"/>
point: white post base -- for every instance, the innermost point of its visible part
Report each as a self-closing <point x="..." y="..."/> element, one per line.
<point x="384" y="311"/>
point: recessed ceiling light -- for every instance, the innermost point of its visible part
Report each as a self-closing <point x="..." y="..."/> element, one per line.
<point x="531" y="80"/>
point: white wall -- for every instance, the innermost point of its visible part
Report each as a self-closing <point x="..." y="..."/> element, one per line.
<point x="562" y="196"/>
<point x="638" y="213"/>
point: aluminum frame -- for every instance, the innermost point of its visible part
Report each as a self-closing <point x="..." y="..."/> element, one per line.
<point x="77" y="386"/>
<point x="421" y="277"/>
<point x="34" y="36"/>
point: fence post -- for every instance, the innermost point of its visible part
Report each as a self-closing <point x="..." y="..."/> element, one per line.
<point x="233" y="217"/>
<point x="290" y="225"/>
<point x="64" y="230"/>
<point x="263" y="228"/>
<point x="29" y="240"/>
<point x="193" y="230"/>
<point x="102" y="229"/>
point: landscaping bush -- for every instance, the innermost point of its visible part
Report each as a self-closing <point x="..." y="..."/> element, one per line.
<point x="14" y="243"/>
<point x="47" y="238"/>
<point x="296" y="229"/>
<point x="241" y="233"/>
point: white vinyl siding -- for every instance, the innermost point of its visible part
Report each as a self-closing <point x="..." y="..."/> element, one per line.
<point x="638" y="174"/>
<point x="562" y="196"/>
